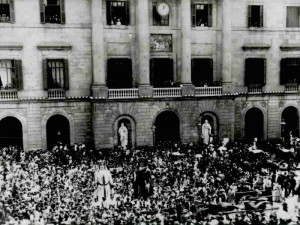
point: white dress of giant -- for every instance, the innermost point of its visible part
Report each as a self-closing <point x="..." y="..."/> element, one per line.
<point x="104" y="182"/>
<point x="206" y="132"/>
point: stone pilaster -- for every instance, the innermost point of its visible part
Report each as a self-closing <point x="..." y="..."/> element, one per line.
<point x="185" y="77"/>
<point x="99" y="88"/>
<point x="226" y="46"/>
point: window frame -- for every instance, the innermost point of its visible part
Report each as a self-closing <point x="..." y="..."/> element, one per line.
<point x="284" y="69"/>
<point x="110" y="63"/>
<point x="109" y="16"/>
<point x="11" y="11"/>
<point x="17" y="67"/>
<point x="287" y="16"/>
<point x="43" y="12"/>
<point x="209" y="76"/>
<point x="209" y="14"/>
<point x="248" y="74"/>
<point x="261" y="16"/>
<point x="46" y="73"/>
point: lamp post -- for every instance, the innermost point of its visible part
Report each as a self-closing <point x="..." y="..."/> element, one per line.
<point x="282" y="125"/>
<point x="199" y="125"/>
<point x="153" y="128"/>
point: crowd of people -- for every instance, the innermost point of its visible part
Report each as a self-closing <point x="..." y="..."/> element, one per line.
<point x="171" y="183"/>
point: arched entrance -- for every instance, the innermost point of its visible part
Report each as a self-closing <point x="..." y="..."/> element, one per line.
<point x="11" y="132"/>
<point x="290" y="115"/>
<point x="167" y="127"/>
<point x="58" y="130"/>
<point x="129" y="127"/>
<point x="213" y="121"/>
<point x="254" y="124"/>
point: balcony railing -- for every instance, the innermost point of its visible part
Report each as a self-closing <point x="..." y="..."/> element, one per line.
<point x="123" y="93"/>
<point x="8" y="94"/>
<point x="166" y="92"/>
<point x="56" y="93"/>
<point x="255" y="89"/>
<point x="291" y="88"/>
<point x="208" y="91"/>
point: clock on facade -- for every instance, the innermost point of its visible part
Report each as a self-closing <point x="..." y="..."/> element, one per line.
<point x="162" y="8"/>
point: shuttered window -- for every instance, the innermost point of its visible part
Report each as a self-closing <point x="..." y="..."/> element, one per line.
<point x="255" y="16"/>
<point x="201" y="15"/>
<point x="56" y="74"/>
<point x="52" y="11"/>
<point x="11" y="74"/>
<point x="7" y="11"/>
<point x="202" y="72"/>
<point x="290" y="71"/>
<point x="293" y="16"/>
<point x="255" y="72"/>
<point x="117" y="12"/>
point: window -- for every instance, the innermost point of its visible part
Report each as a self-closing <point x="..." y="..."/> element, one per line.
<point x="255" y="16"/>
<point x="119" y="73"/>
<point x="7" y="13"/>
<point x="52" y="11"/>
<point x="157" y="19"/>
<point x="117" y="13"/>
<point x="255" y="71"/>
<point x="56" y="74"/>
<point x="202" y="15"/>
<point x="202" y="72"/>
<point x="293" y="16"/>
<point x="11" y="74"/>
<point x="290" y="71"/>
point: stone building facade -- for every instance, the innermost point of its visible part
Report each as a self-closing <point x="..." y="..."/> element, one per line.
<point x="73" y="70"/>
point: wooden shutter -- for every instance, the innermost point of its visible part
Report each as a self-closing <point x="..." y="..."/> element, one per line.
<point x="211" y="64"/>
<point x="108" y="13"/>
<point x="62" y="11"/>
<point x="45" y="74"/>
<point x="249" y="15"/>
<point x="261" y="15"/>
<point x="193" y="10"/>
<point x="110" y="74"/>
<point x="127" y="13"/>
<point x="19" y="74"/>
<point x="209" y="15"/>
<point x="152" y="72"/>
<point x="292" y="16"/>
<point x="42" y="11"/>
<point x="264" y="72"/>
<point x="129" y="71"/>
<point x="12" y="11"/>
<point x="247" y="71"/>
<point x="66" y="74"/>
<point x="193" y="71"/>
<point x="283" y="64"/>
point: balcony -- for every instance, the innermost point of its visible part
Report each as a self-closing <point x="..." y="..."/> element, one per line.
<point x="257" y="89"/>
<point x="166" y="92"/>
<point x="291" y="88"/>
<point x="56" y="93"/>
<point x="8" y="94"/>
<point x="127" y="93"/>
<point x="208" y="91"/>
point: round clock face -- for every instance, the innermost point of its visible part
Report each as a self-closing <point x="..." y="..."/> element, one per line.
<point x="163" y="9"/>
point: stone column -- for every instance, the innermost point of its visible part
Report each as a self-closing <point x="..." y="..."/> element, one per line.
<point x="185" y="78"/>
<point x="99" y="87"/>
<point x="143" y="46"/>
<point x="226" y="46"/>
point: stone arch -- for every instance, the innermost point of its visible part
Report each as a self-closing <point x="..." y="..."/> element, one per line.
<point x="11" y="132"/>
<point x="130" y="123"/>
<point x="254" y="124"/>
<point x="57" y="130"/>
<point x="213" y="121"/>
<point x="290" y="115"/>
<point x="44" y="125"/>
<point x="167" y="126"/>
<point x="23" y="122"/>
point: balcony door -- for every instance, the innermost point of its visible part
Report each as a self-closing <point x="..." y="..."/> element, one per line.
<point x="161" y="72"/>
<point x="119" y="73"/>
